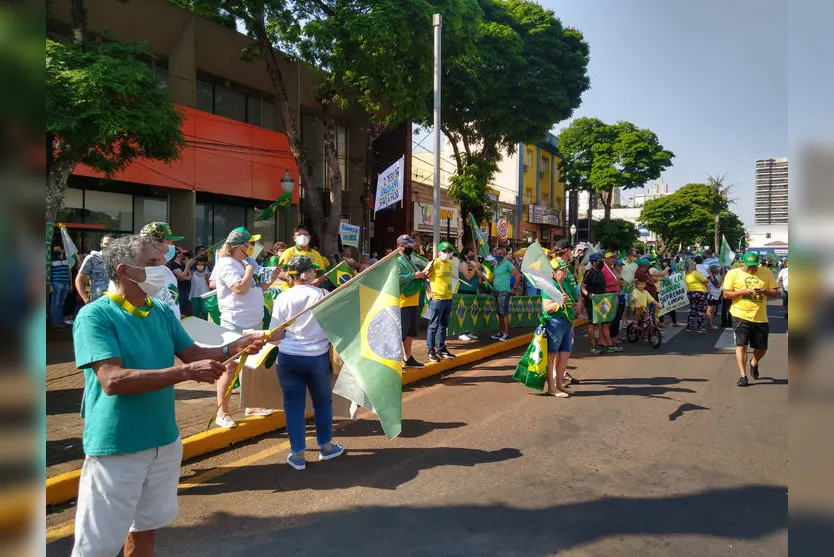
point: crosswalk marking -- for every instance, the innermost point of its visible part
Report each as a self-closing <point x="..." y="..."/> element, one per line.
<point x="726" y="341"/>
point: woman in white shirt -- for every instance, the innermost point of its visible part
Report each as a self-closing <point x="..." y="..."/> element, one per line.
<point x="304" y="364"/>
<point x="241" y="305"/>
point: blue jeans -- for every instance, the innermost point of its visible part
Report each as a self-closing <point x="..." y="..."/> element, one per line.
<point x="441" y="312"/>
<point x="559" y="334"/>
<point x="296" y="374"/>
<point x="56" y="304"/>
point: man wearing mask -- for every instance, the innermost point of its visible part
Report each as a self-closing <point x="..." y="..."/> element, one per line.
<point x="59" y="286"/>
<point x="169" y="294"/>
<point x="439" y="273"/>
<point x="92" y="276"/>
<point x="594" y="283"/>
<point x="302" y="238"/>
<point x="502" y="289"/>
<point x="181" y="266"/>
<point x="412" y="283"/>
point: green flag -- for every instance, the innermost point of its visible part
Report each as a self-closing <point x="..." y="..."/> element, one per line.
<point x="340" y="274"/>
<point x="419" y="261"/>
<point x="480" y="240"/>
<point x="605" y="307"/>
<point x="362" y="322"/>
<point x="282" y="201"/>
<point x="536" y="268"/>
<point x="532" y="367"/>
<point x="726" y="256"/>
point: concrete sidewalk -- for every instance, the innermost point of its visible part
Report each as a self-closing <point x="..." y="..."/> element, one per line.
<point x="195" y="402"/>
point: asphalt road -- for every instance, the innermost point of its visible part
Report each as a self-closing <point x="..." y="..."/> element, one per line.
<point x="658" y="454"/>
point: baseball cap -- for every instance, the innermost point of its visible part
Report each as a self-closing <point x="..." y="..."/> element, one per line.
<point x="299" y="264"/>
<point x="406" y="240"/>
<point x="751" y="259"/>
<point x="443" y="246"/>
<point x="159" y="231"/>
<point x="610" y="254"/>
<point x="595" y="257"/>
<point x="240" y="236"/>
<point x="643" y="261"/>
<point x="619" y="263"/>
<point x="562" y="245"/>
<point x="558" y="263"/>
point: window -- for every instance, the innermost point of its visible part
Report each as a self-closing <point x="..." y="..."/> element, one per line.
<point x="341" y="151"/>
<point x="150" y="209"/>
<point x="253" y="111"/>
<point x="269" y="118"/>
<point x="227" y="217"/>
<point x="204" y="217"/>
<point x="528" y="158"/>
<point x="205" y="96"/>
<point x="113" y="210"/>
<point x="229" y="103"/>
<point x="161" y="76"/>
<point x="73" y="209"/>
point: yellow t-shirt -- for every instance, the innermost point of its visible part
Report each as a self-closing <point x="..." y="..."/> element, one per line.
<point x="754" y="307"/>
<point x="440" y="279"/>
<point x="696" y="282"/>
<point x="312" y="254"/>
<point x="641" y="298"/>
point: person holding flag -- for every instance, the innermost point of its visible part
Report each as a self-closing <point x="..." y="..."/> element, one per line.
<point x="439" y="273"/>
<point x="412" y="284"/>
<point x="557" y="318"/>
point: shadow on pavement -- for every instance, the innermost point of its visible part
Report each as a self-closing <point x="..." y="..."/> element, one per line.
<point x="643" y="381"/>
<point x="683" y="408"/>
<point x="356" y="469"/>
<point x="411" y="428"/>
<point x="633" y="391"/>
<point x="741" y="513"/>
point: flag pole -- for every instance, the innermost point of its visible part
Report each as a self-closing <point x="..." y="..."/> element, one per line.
<point x="437" y="23"/>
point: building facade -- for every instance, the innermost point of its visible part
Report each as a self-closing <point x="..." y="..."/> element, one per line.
<point x="771" y="194"/>
<point x="236" y="153"/>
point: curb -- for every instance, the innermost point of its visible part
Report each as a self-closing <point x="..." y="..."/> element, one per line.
<point x="64" y="487"/>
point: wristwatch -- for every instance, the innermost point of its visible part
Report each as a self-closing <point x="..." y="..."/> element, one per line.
<point x="226" y="352"/>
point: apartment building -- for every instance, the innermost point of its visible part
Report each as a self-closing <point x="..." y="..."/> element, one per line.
<point x="771" y="193"/>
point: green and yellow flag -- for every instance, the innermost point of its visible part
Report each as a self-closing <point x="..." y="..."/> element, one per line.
<point x="283" y="200"/>
<point x="480" y="240"/>
<point x="340" y="274"/>
<point x="605" y="307"/>
<point x="362" y="322"/>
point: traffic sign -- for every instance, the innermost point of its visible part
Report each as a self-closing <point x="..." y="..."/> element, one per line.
<point x="503" y="228"/>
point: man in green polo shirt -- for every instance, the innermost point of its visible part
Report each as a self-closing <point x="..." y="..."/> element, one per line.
<point x="412" y="284"/>
<point x="125" y="343"/>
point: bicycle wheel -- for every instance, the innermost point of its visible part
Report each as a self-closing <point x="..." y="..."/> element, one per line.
<point x="631" y="332"/>
<point x="655" y="337"/>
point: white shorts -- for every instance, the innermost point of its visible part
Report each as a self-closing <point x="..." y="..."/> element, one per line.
<point x="124" y="493"/>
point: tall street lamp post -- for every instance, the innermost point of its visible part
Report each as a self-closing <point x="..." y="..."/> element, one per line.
<point x="287" y="185"/>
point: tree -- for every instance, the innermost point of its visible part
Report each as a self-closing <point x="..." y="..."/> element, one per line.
<point x="687" y="216"/>
<point x="526" y="73"/>
<point x="598" y="157"/>
<point x="615" y="234"/>
<point x="717" y="184"/>
<point x="103" y="109"/>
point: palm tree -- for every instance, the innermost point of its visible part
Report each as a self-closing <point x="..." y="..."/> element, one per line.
<point x="717" y="184"/>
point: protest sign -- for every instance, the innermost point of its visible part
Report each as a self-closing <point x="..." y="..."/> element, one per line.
<point x="672" y="293"/>
<point x="389" y="186"/>
<point x="349" y="234"/>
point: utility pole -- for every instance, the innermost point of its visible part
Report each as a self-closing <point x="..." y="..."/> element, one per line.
<point x="437" y="23"/>
<point x="717" y="234"/>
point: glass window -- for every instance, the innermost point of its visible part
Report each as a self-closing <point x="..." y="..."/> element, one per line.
<point x="227" y="217"/>
<point x="150" y="209"/>
<point x="161" y="76"/>
<point x="253" y="111"/>
<point x="205" y="96"/>
<point x="341" y="150"/>
<point x="203" y="217"/>
<point x="270" y="119"/>
<point x="266" y="228"/>
<point x="113" y="210"/>
<point x="72" y="211"/>
<point x="230" y="104"/>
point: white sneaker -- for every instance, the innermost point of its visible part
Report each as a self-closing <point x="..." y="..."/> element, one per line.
<point x="258" y="412"/>
<point x="503" y="337"/>
<point x="225" y="421"/>
<point x="471" y="336"/>
<point x="496" y="336"/>
<point x="464" y="336"/>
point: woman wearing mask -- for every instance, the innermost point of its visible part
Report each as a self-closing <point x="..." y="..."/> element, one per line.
<point x="199" y="281"/>
<point x="470" y="276"/>
<point x="304" y="364"/>
<point x="557" y="318"/>
<point x="302" y="239"/>
<point x="241" y="304"/>
<point x="696" y="286"/>
<point x="714" y="294"/>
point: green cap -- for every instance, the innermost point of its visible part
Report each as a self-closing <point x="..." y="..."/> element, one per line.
<point x="558" y="263"/>
<point x="159" y="231"/>
<point x="443" y="246"/>
<point x="751" y="259"/>
<point x="240" y="236"/>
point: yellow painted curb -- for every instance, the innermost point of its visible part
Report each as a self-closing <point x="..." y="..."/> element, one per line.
<point x="64" y="487"/>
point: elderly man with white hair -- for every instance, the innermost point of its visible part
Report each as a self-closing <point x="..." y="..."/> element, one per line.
<point x="125" y="343"/>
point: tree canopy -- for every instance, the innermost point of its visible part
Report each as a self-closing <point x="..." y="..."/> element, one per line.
<point x="615" y="234"/>
<point x="687" y="216"/>
<point x="104" y="108"/>
<point x="598" y="157"/>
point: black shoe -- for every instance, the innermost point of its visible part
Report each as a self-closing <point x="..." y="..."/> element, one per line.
<point x="445" y="354"/>
<point x="411" y="362"/>
<point x="433" y="357"/>
<point x="754" y="370"/>
<point x="573" y="380"/>
<point x="742" y="381"/>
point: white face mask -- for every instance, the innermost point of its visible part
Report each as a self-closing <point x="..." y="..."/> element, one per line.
<point x="445" y="256"/>
<point x="155" y="279"/>
<point x="302" y="240"/>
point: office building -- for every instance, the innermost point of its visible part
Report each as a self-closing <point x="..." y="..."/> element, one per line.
<point x="771" y="194"/>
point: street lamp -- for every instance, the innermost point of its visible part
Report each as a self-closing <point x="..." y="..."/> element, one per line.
<point x="572" y="233"/>
<point x="287" y="185"/>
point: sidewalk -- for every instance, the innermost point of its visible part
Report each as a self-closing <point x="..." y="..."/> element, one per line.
<point x="195" y="402"/>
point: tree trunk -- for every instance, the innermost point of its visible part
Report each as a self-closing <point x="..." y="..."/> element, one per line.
<point x="56" y="187"/>
<point x="312" y="196"/>
<point x="456" y="151"/>
<point x="329" y="244"/>
<point x="370" y="166"/>
<point x="78" y="14"/>
<point x="607" y="199"/>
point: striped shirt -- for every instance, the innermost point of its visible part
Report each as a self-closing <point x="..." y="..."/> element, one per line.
<point x="60" y="271"/>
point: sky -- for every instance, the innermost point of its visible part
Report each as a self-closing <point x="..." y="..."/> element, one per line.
<point x="710" y="78"/>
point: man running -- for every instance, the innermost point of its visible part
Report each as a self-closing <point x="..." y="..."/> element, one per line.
<point x="748" y="287"/>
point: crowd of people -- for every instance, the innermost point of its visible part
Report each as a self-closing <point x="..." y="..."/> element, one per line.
<point x="128" y="334"/>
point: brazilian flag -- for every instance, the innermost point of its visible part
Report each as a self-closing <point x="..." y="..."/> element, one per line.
<point x="270" y="211"/>
<point x="340" y="274"/>
<point x="362" y="322"/>
<point x="605" y="307"/>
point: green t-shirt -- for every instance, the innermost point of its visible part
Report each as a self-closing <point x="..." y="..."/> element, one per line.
<point x="118" y="424"/>
<point x="565" y="311"/>
<point x="502" y="273"/>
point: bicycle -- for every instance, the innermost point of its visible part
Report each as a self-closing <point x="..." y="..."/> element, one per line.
<point x="646" y="328"/>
